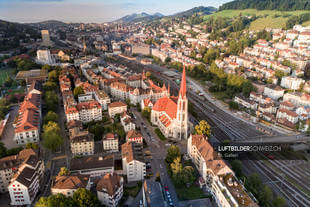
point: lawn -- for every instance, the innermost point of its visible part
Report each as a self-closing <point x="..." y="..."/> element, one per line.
<point x="190" y="193"/>
<point x="160" y="135"/>
<point x="306" y="24"/>
<point x="4" y="73"/>
<point x="268" y="22"/>
<point x="132" y="191"/>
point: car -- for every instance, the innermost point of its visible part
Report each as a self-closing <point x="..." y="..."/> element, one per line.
<point x="166" y="188"/>
<point x="141" y="203"/>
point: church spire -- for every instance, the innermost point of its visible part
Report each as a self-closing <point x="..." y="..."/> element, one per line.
<point x="182" y="92"/>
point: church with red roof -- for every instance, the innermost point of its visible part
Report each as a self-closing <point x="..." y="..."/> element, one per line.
<point x="170" y="113"/>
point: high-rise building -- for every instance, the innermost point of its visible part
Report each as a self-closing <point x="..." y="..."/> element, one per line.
<point x="46" y="38"/>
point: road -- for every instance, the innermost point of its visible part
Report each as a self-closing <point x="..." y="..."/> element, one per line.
<point x="158" y="152"/>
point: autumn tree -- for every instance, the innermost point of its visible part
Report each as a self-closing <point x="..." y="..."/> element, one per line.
<point x="52" y="138"/>
<point x="51" y="116"/>
<point x="77" y="91"/>
<point x="64" y="171"/>
<point x="203" y="128"/>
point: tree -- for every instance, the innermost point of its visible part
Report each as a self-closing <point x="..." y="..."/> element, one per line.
<point x="176" y="168"/>
<point x="58" y="200"/>
<point x="172" y="153"/>
<point x="8" y="82"/>
<point x="46" y="67"/>
<point x="148" y="74"/>
<point x="77" y="91"/>
<point x="279" y="74"/>
<point x="51" y="100"/>
<point x="187" y="175"/>
<point x="31" y="145"/>
<point x="2" y="150"/>
<point x="49" y="86"/>
<point x="146" y="113"/>
<point x="51" y="136"/>
<point x="266" y="194"/>
<point x="279" y="202"/>
<point x="84" y="198"/>
<point x="203" y="128"/>
<point x="64" y="171"/>
<point x="50" y="116"/>
<point x="236" y="166"/>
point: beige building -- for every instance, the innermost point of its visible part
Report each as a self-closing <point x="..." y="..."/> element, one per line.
<point x="110" y="142"/>
<point x="89" y="111"/>
<point x="133" y="161"/>
<point x="103" y="99"/>
<point x="110" y="189"/>
<point x="116" y="108"/>
<point x="67" y="185"/>
<point x="81" y="142"/>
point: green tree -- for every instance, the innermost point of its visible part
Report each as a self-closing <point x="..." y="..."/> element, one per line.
<point x="3" y="150"/>
<point x="51" y="100"/>
<point x="46" y="67"/>
<point x="8" y="82"/>
<point x="172" y="153"/>
<point x="50" y="116"/>
<point x="49" y="86"/>
<point x="77" y="91"/>
<point x="51" y="136"/>
<point x="64" y="171"/>
<point x="84" y="198"/>
<point x="266" y="194"/>
<point x="58" y="200"/>
<point x="236" y="166"/>
<point x="279" y="74"/>
<point x="187" y="175"/>
<point x="146" y="113"/>
<point x="203" y="128"/>
<point x="279" y="202"/>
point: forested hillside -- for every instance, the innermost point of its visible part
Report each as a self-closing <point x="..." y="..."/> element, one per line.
<point x="282" y="5"/>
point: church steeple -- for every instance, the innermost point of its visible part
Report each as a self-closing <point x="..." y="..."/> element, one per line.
<point x="182" y="91"/>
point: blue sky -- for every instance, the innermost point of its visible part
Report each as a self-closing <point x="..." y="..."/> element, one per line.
<point x="92" y="10"/>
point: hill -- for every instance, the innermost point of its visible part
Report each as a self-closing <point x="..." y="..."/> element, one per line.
<point x="266" y="18"/>
<point x="139" y="17"/>
<point x="201" y="10"/>
<point x="281" y="5"/>
<point x="11" y="34"/>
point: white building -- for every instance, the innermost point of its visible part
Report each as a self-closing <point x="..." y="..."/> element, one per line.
<point x="133" y="161"/>
<point x="127" y="122"/>
<point x="116" y="108"/>
<point x="274" y="92"/>
<point x="110" y="142"/>
<point x="44" y="57"/>
<point x="25" y="184"/>
<point x="81" y="142"/>
<point x="292" y="82"/>
<point x="103" y="99"/>
<point x="216" y="176"/>
<point x="89" y="111"/>
<point x="110" y="190"/>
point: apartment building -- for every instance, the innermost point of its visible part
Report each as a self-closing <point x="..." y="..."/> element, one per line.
<point x="28" y="121"/>
<point x="134" y="136"/>
<point x="216" y="176"/>
<point x="103" y="99"/>
<point x="110" y="142"/>
<point x="89" y="111"/>
<point x="81" y="142"/>
<point x="133" y="161"/>
<point x="127" y="122"/>
<point x="116" y="108"/>
<point x="110" y="189"/>
<point x="26" y="182"/>
<point x="68" y="184"/>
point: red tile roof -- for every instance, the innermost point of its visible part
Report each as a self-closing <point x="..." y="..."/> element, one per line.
<point x="88" y="105"/>
<point x="168" y="105"/>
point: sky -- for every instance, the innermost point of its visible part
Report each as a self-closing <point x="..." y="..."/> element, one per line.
<point x="98" y="11"/>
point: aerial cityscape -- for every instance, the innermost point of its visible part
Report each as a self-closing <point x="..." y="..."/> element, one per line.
<point x="155" y="103"/>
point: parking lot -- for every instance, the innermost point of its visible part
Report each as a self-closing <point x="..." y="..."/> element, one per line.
<point x="8" y="132"/>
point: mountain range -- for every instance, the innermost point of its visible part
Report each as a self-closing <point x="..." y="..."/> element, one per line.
<point x="135" y="17"/>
